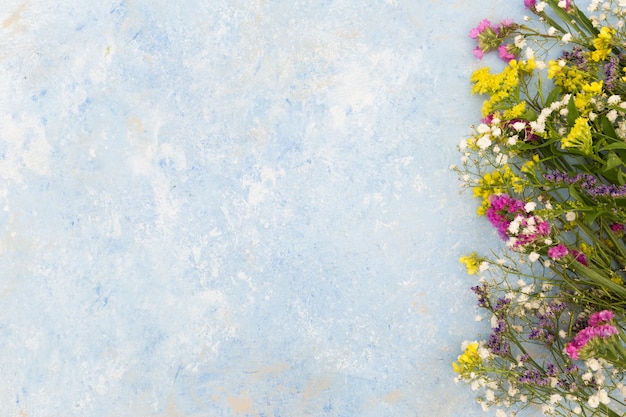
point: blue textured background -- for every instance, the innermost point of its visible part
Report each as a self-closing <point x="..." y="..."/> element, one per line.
<point x="236" y="207"/>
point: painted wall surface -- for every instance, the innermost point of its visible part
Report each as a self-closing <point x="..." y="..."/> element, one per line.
<point x="236" y="207"/>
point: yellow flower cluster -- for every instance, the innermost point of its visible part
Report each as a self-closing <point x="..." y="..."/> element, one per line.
<point x="501" y="86"/>
<point x="579" y="137"/>
<point x="602" y="43"/>
<point x="469" y="361"/>
<point x="472" y="263"/>
<point x="496" y="182"/>
<point x="582" y="100"/>
<point x="571" y="79"/>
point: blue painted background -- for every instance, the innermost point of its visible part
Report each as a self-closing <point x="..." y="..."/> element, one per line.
<point x="236" y="207"/>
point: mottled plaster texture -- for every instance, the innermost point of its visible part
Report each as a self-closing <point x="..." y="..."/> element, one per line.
<point x="236" y="207"/>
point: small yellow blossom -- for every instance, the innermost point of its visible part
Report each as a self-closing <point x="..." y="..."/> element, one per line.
<point x="579" y="137"/>
<point x="469" y="361"/>
<point x="554" y="68"/>
<point x="602" y="43"/>
<point x="472" y="263"/>
<point x="514" y="112"/>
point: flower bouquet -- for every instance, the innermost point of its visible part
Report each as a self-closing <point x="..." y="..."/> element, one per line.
<point x="548" y="165"/>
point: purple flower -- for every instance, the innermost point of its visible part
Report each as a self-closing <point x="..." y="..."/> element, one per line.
<point x="558" y="251"/>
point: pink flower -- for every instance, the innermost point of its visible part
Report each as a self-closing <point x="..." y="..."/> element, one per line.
<point x="571" y="350"/>
<point x="505" y="53"/>
<point x="482" y="26"/>
<point x="558" y="251"/>
<point x="600" y="317"/>
<point x="478" y="53"/>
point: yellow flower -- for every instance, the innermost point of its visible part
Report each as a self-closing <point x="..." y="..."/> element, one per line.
<point x="496" y="182"/>
<point x="616" y="279"/>
<point x="469" y="361"/>
<point x="499" y="86"/>
<point x="594" y="87"/>
<point x="515" y="111"/>
<point x="602" y="43"/>
<point x="472" y="263"/>
<point x="554" y="68"/>
<point x="579" y="137"/>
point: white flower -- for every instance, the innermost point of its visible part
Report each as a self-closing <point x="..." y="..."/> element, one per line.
<point x="482" y="128"/>
<point x="478" y="318"/>
<point x="530" y="206"/>
<point x="577" y="410"/>
<point x="593" y="401"/>
<point x="502" y="159"/>
<point x="547" y="410"/>
<point x="484" y="142"/>
<point x="514" y="226"/>
<point x="566" y="38"/>
<point x="614" y="99"/>
<point x="533" y="256"/>
<point x="593" y="364"/>
<point x="547" y="263"/>
<point x="500" y="413"/>
<point x="562" y="4"/>
<point x="547" y="241"/>
<point x="570" y="216"/>
<point x="463" y="145"/>
<point x="604" y="396"/>
<point x="592" y="116"/>
<point x="483" y="266"/>
<point x="519" y="126"/>
<point x="555" y="398"/>
<point x="562" y="334"/>
<point x="612" y="115"/>
<point x="540" y="6"/>
<point x="490" y="395"/>
<point x="551" y="31"/>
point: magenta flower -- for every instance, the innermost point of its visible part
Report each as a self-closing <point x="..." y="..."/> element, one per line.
<point x="580" y="257"/>
<point x="617" y="228"/>
<point x="478" y="53"/>
<point x="592" y="337"/>
<point x="601" y="317"/>
<point x="558" y="251"/>
<point x="530" y="4"/>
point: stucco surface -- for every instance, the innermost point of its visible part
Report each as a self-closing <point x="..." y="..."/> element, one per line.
<point x="236" y="208"/>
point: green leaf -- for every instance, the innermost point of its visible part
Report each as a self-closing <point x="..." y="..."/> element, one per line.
<point x="607" y="127"/>
<point x="614" y="146"/>
<point x="572" y="112"/>
<point x="612" y="161"/>
<point x="552" y="96"/>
